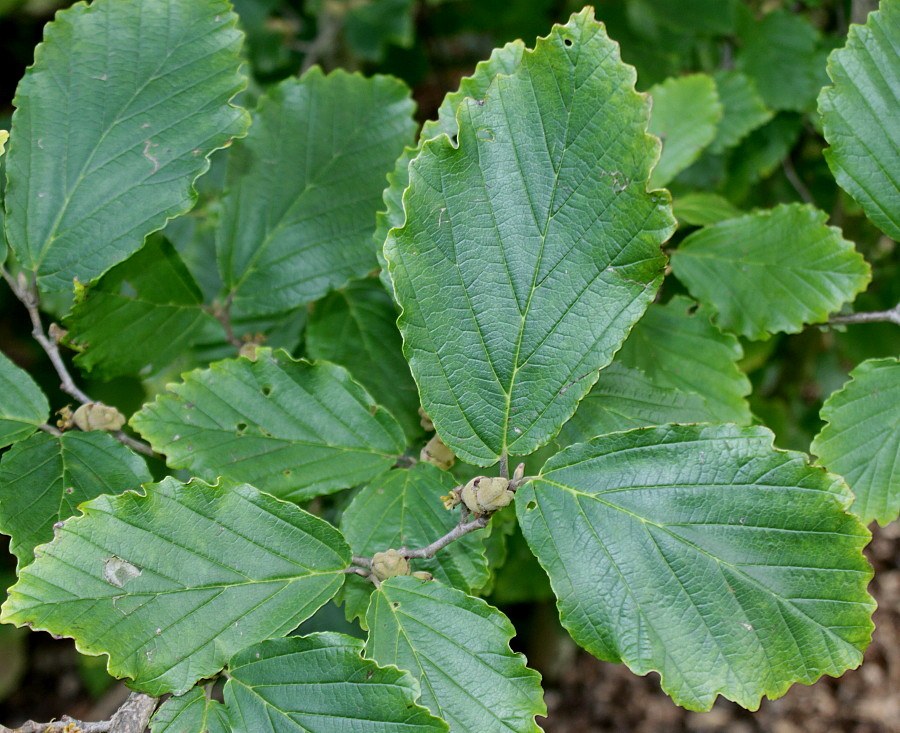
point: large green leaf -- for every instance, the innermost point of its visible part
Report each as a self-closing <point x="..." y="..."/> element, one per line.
<point x="321" y="684"/>
<point x="357" y="328"/>
<point x="289" y="427"/>
<point x="685" y="113"/>
<point x="781" y="54"/>
<point x="706" y="555"/>
<point x="43" y="480"/>
<point x="457" y="647"/>
<point x="305" y="185"/>
<point x="531" y="249"/>
<point x="403" y="508"/>
<point x="172" y="583"/>
<point x="772" y="270"/>
<point x="743" y="110"/>
<point x="626" y="398"/>
<point x="116" y="119"/>
<point x="23" y="406"/>
<point x="862" y="438"/>
<point x="142" y="315"/>
<point x="679" y="348"/>
<point x="192" y="712"/>
<point x="859" y="115"/>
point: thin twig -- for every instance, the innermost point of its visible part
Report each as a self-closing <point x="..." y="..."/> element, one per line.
<point x="132" y="717"/>
<point x="365" y="562"/>
<point x="222" y="313"/>
<point x="326" y="35"/>
<point x="889" y="316"/>
<point x="50" y="429"/>
<point x="799" y="186"/>
<point x="461" y="529"/>
<point x="504" y="465"/>
<point x="354" y="570"/>
<point x="27" y="294"/>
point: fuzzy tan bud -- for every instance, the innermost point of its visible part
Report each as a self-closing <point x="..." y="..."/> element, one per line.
<point x="437" y="453"/>
<point x="389" y="564"/>
<point x="486" y="494"/>
<point x="97" y="416"/>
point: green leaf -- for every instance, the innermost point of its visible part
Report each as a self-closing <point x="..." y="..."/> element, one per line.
<point x="192" y="712"/>
<point x="861" y="440"/>
<point x="23" y="406"/>
<point x="320" y="684"/>
<point x="771" y="271"/>
<point x="781" y="54"/>
<point x="172" y="583"/>
<point x="625" y="398"/>
<point x="144" y="325"/>
<point x="681" y="349"/>
<point x="530" y="250"/>
<point x="371" y="27"/>
<point x="703" y="553"/>
<point x="149" y="85"/>
<point x="857" y="114"/>
<point x="743" y="109"/>
<point x="402" y="508"/>
<point x="458" y="648"/>
<point x="305" y="185"/>
<point x="685" y="113"/>
<point x="43" y="480"/>
<point x="759" y="154"/>
<point x="357" y="328"/>
<point x="701" y="208"/>
<point x="289" y="427"/>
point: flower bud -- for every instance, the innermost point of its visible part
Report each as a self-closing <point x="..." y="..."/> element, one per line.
<point x="486" y="494"/>
<point x="423" y="575"/>
<point x="389" y="564"/>
<point x="97" y="416"/>
<point x="437" y="453"/>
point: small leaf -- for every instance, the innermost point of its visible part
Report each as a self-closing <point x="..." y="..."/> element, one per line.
<point x="861" y="440"/>
<point x="771" y="271"/>
<point x="457" y="647"/>
<point x="743" y="109"/>
<point x="706" y="555"/>
<point x="357" y="328"/>
<point x="144" y="326"/>
<point x="759" y="154"/>
<point x="625" y="398"/>
<point x="23" y="406"/>
<point x="321" y="683"/>
<point x="857" y="114"/>
<point x="171" y="584"/>
<point x="781" y="54"/>
<point x="291" y="428"/>
<point x="43" y="480"/>
<point x="681" y="349"/>
<point x="305" y="185"/>
<point x="371" y="27"/>
<point x="507" y="318"/>
<point x="701" y="208"/>
<point x="192" y="712"/>
<point x="153" y="83"/>
<point x="685" y="113"/>
<point x="402" y="508"/>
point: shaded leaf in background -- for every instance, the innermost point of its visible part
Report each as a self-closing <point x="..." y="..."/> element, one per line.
<point x="743" y="109"/>
<point x="370" y="27"/>
<point x="679" y="348"/>
<point x="23" y="406"/>
<point x="321" y="683"/>
<point x="357" y="328"/>
<point x="304" y="187"/>
<point x="157" y="78"/>
<point x="402" y="508"/>
<point x="43" y="480"/>
<point x="861" y="440"/>
<point x="172" y="583"/>
<point x="144" y="325"/>
<point x="192" y="712"/>
<point x="625" y="398"/>
<point x="505" y="318"/>
<point x="701" y="208"/>
<point x="759" y="154"/>
<point x="781" y="53"/>
<point x="859" y="115"/>
<point x="771" y="271"/>
<point x="457" y="647"/>
<point x="685" y="113"/>
<point x="289" y="427"/>
<point x="703" y="553"/>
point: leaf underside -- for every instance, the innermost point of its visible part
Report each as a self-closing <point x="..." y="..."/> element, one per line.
<point x="23" y="406"/>
<point x="506" y="319"/>
<point x="704" y="554"/>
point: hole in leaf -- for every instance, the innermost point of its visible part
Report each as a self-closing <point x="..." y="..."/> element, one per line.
<point x="395" y="604"/>
<point x="567" y="41"/>
<point x="530" y="505"/>
<point x="266" y="390"/>
<point x="287" y="472"/>
<point x="241" y="427"/>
